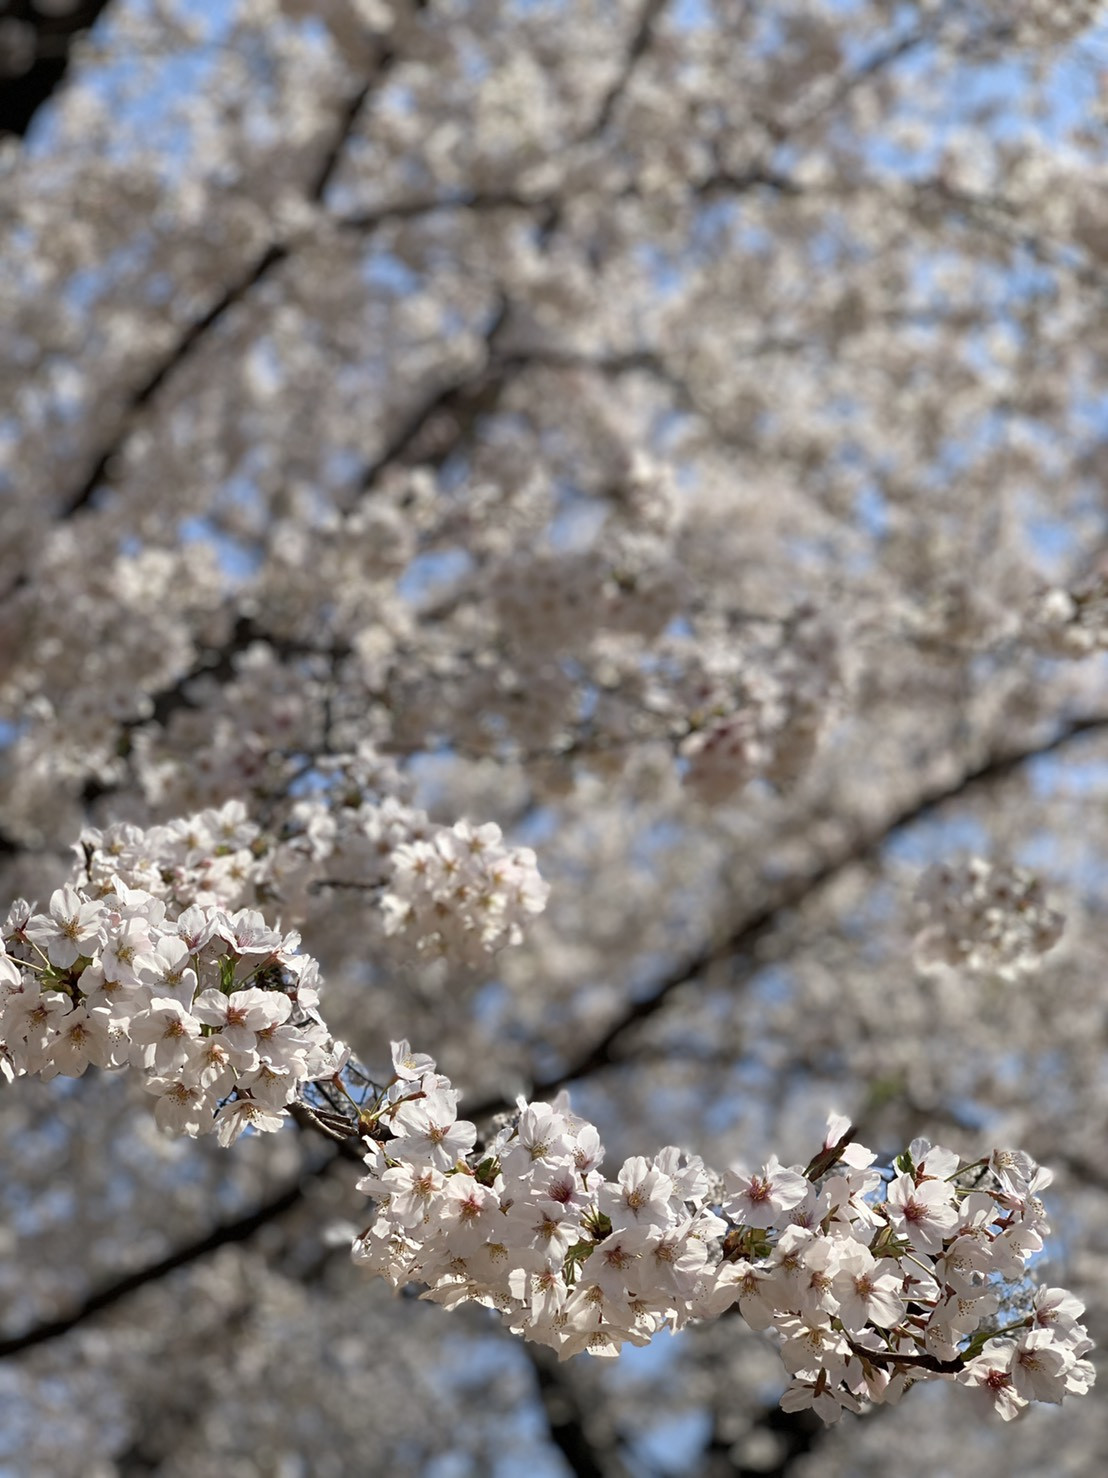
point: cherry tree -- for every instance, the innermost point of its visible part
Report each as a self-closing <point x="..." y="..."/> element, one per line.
<point x="553" y="592"/>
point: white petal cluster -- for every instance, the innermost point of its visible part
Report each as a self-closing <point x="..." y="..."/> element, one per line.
<point x="150" y="956"/>
<point x="432" y="890"/>
<point x="766" y="718"/>
<point x="550" y="603"/>
<point x="461" y="892"/>
<point x="458" y="892"/>
<point x="529" y="1226"/>
<point x="1045" y="23"/>
<point x="1072" y="622"/>
<point x="214" y="1008"/>
<point x="869" y="1283"/>
<point x="984" y="918"/>
<point x="559" y="602"/>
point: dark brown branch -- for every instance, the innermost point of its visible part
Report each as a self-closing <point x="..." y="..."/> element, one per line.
<point x="144" y="393"/>
<point x="461" y="401"/>
<point x="239" y="1230"/>
<point x="454" y="399"/>
<point x="796" y="1434"/>
<point x="52" y="37"/>
<point x="640" y="43"/>
<point x="565" y="1419"/>
<point x="891" y="1360"/>
<point x="444" y="399"/>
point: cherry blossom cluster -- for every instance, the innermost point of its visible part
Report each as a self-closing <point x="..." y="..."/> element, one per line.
<point x="1042" y="23"/>
<point x="147" y="957"/>
<point x="559" y="603"/>
<point x="1073" y="622"/>
<point x="985" y="918"/>
<point x="453" y="891"/>
<point x="431" y="889"/>
<point x="869" y="1282"/>
<point x="761" y="713"/>
<point x="214" y="1008"/>
<point x="462" y="893"/>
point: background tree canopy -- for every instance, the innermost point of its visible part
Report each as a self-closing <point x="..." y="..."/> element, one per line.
<point x="675" y="430"/>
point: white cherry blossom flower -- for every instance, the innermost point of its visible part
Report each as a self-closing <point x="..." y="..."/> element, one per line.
<point x="70" y="930"/>
<point x="991" y="1374"/>
<point x="761" y="1199"/>
<point x="242" y="1016"/>
<point x="923" y="1213"/>
<point x="182" y="1106"/>
<point x="240" y="1114"/>
<point x="1040" y="1366"/>
<point x="162" y="1035"/>
<point x="640" y="1201"/>
<point x="84" y="1037"/>
<point x="865" y="1294"/>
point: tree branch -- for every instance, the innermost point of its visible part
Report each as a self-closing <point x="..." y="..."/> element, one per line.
<point x="565" y="1419"/>
<point x="239" y="1230"/>
<point x="52" y="37"/>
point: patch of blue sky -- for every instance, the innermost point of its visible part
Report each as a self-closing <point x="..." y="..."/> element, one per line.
<point x="667" y="276"/>
<point x="311" y="782"/>
<point x="166" y="79"/>
<point x="810" y="552"/>
<point x="939" y="837"/>
<point x="464" y="1363"/>
<point x="577" y="520"/>
<point x="755" y="239"/>
<point x="539" y="827"/>
<point x="434" y="773"/>
<point x="671" y="1441"/>
<point x="671" y="1444"/>
<point x="449" y="1464"/>
<point x="428" y="575"/>
<point x="981" y="92"/>
<point x="668" y="429"/>
<point x="1055" y="541"/>
<point x="236" y="561"/>
<point x="726" y="1111"/>
<point x="1071" y="773"/>
<point x="386" y="273"/>
<point x="880" y="905"/>
<point x="770" y="986"/>
<point x="1056" y="863"/>
<point x="871" y="508"/>
<point x="532" y="7"/>
<point x="149" y="92"/>
<point x="690" y="15"/>
<point x="490" y="1004"/>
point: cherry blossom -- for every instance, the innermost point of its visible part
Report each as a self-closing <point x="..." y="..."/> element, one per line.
<point x="572" y="535"/>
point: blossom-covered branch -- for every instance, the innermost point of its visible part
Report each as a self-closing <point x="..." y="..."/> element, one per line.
<point x="869" y="1282"/>
<point x="146" y="957"/>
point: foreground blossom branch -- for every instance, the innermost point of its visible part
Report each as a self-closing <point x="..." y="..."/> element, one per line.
<point x="868" y="1281"/>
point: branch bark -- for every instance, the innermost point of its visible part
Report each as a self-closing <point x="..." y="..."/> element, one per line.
<point x="49" y="39"/>
<point x="241" y="1229"/>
